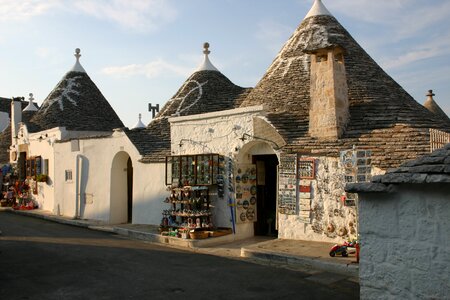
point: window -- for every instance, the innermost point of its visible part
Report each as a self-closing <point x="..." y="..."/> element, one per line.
<point x="45" y="167"/>
<point x="68" y="176"/>
<point x="202" y="169"/>
<point x="321" y="58"/>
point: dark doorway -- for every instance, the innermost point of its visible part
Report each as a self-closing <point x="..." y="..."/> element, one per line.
<point x="266" y="170"/>
<point x="130" y="190"/>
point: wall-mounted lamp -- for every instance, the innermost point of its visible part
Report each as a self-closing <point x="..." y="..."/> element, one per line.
<point x="247" y="136"/>
<point x="244" y="137"/>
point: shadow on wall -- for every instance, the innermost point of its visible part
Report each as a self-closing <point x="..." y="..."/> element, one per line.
<point x="83" y="165"/>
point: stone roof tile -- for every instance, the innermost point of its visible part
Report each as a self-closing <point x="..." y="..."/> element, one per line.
<point x="383" y="116"/>
<point x="204" y="91"/>
<point x="77" y="104"/>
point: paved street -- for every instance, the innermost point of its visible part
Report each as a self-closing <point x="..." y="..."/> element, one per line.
<point x="46" y="260"/>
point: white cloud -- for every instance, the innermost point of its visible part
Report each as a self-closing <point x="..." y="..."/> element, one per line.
<point x="273" y="34"/>
<point x="17" y="10"/>
<point x="152" y="69"/>
<point x="422" y="18"/>
<point x="138" y="15"/>
<point x="404" y="18"/>
<point x="435" y="47"/>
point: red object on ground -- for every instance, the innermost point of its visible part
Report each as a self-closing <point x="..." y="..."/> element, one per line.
<point x="357" y="252"/>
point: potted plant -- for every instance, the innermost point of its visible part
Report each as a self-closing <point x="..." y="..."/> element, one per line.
<point x="41" y="177"/>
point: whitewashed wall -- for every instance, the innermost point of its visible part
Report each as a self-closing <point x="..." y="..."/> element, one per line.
<point x="330" y="220"/>
<point x="41" y="144"/>
<point x="149" y="192"/>
<point x="95" y="162"/>
<point x="219" y="132"/>
<point x="405" y="243"/>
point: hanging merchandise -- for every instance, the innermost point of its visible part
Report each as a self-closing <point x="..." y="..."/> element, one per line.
<point x="231" y="202"/>
<point x="357" y="165"/>
<point x="245" y="191"/>
<point x="287" y="184"/>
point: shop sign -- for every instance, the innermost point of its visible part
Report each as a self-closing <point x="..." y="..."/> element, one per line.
<point x="306" y="168"/>
<point x="287" y="188"/>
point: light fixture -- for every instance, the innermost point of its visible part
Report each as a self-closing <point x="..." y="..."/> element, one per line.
<point x="245" y="136"/>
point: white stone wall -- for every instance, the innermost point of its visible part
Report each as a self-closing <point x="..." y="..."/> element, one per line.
<point x="330" y="220"/>
<point x="405" y="243"/>
<point x="220" y="132"/>
<point x="94" y="159"/>
<point x="41" y="144"/>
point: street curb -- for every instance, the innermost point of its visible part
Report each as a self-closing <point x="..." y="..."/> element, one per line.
<point x="276" y="258"/>
<point x="72" y="222"/>
<point x="262" y="255"/>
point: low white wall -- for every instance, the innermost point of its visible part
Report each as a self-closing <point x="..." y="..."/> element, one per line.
<point x="149" y="193"/>
<point x="405" y="243"/>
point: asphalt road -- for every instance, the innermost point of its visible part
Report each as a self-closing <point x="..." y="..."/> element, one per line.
<point x="45" y="260"/>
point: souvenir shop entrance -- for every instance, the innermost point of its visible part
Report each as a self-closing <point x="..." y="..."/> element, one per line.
<point x="266" y="169"/>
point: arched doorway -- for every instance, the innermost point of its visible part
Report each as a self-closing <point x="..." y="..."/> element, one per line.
<point x="266" y="169"/>
<point x="121" y="189"/>
<point x="129" y="190"/>
<point x="264" y="157"/>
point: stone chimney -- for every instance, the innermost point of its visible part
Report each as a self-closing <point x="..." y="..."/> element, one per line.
<point x="328" y="111"/>
<point x="16" y="116"/>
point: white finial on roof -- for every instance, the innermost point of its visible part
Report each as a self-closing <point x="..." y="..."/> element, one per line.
<point x="139" y="123"/>
<point x="77" y="67"/>
<point x="318" y="9"/>
<point x="30" y="106"/>
<point x="206" y="65"/>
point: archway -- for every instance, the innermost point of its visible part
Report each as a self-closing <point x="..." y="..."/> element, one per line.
<point x="121" y="189"/>
<point x="264" y="157"/>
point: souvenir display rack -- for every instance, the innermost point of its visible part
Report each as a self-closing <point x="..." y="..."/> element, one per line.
<point x="194" y="170"/>
<point x="190" y="178"/>
<point x="189" y="208"/>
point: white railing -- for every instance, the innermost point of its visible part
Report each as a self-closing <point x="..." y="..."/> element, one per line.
<point x="438" y="139"/>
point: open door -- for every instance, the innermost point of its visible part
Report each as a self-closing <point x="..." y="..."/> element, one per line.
<point x="266" y="170"/>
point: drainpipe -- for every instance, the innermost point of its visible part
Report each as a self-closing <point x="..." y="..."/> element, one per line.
<point x="16" y="117"/>
<point x="78" y="169"/>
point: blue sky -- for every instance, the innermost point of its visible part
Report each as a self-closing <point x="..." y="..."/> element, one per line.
<point x="141" y="51"/>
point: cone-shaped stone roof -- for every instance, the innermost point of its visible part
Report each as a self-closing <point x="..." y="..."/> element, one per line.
<point x="383" y="116"/>
<point x="139" y="124"/>
<point x="432" y="106"/>
<point x="204" y="91"/>
<point x="77" y="104"/>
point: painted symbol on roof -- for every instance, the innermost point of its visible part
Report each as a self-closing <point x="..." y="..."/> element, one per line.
<point x="198" y="86"/>
<point x="65" y="93"/>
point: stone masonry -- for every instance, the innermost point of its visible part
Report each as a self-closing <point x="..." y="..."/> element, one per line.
<point x="328" y="113"/>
